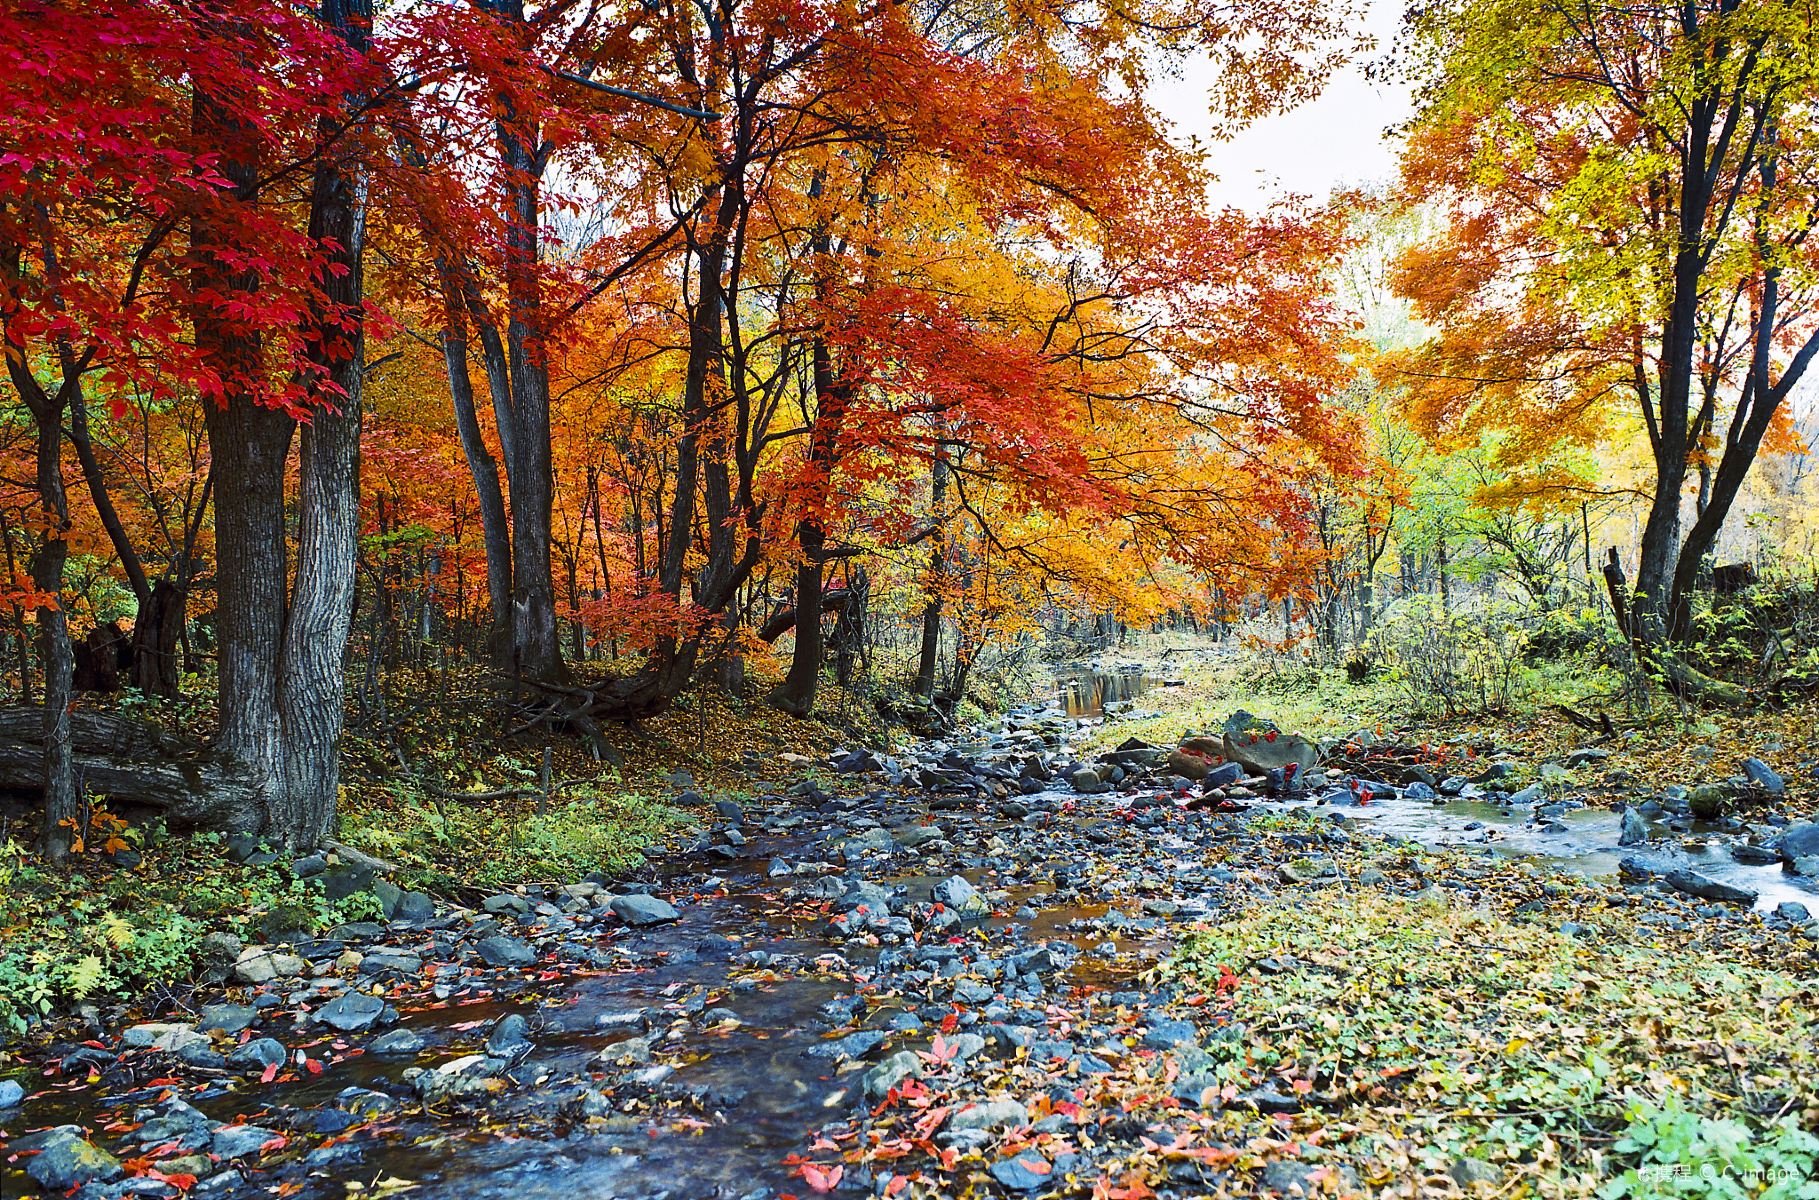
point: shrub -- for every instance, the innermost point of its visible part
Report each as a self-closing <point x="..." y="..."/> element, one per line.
<point x="452" y="845"/>
<point x="101" y="931"/>
<point x="1462" y="662"/>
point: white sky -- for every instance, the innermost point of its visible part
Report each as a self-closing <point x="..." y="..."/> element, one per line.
<point x="1339" y="138"/>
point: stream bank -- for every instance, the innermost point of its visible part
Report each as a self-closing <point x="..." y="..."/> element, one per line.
<point x="953" y="970"/>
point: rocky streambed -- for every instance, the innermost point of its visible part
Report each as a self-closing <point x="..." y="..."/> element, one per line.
<point x="919" y="977"/>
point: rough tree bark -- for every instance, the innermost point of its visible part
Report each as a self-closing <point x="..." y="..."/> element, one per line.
<point x="313" y="665"/>
<point x="930" y="658"/>
<point x="536" y="649"/>
<point x="796" y="693"/>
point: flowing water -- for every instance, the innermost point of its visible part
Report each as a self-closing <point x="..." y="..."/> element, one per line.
<point x="758" y="1074"/>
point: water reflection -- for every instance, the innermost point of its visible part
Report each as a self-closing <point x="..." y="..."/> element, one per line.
<point x="1086" y="692"/>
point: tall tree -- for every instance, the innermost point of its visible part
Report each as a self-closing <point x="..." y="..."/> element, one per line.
<point x="1630" y="193"/>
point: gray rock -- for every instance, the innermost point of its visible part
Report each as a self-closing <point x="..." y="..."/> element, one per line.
<point x="218" y="950"/>
<point x="1087" y="782"/>
<point x="853" y="1045"/>
<point x="399" y="1043"/>
<point x="11" y="1094"/>
<point x="364" y="1102"/>
<point x="1799" y="841"/>
<point x="870" y="841"/>
<point x="1531" y="794"/>
<point x="1793" y="912"/>
<point x="352" y="1012"/>
<point x="66" y="1159"/>
<point x="238" y="1141"/>
<point x="1467" y="1171"/>
<point x="415" y="906"/>
<point x="462" y="1078"/>
<point x="380" y="962"/>
<point x="227" y="1018"/>
<point x="1295" y="1178"/>
<point x="141" y="1037"/>
<point x="1024" y="1172"/>
<point x="1695" y="884"/>
<point x="347" y="879"/>
<point x="956" y="893"/>
<point x="877" y="1082"/>
<point x="1166" y="1034"/>
<point x="1223" y="775"/>
<point x="1806" y="866"/>
<point x="1635" y="829"/>
<point x="259" y="1054"/>
<point x="501" y="951"/>
<point x="1764" y="777"/>
<point x="989" y="1114"/>
<point x="638" y="910"/>
<point x="510" y="1037"/>
<point x="263" y="966"/>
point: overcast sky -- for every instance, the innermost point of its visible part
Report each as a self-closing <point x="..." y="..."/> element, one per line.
<point x="1337" y="139"/>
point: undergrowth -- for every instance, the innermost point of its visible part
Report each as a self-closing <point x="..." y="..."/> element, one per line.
<point x="1604" y="1054"/>
<point x="450" y="846"/>
<point x="101" y="930"/>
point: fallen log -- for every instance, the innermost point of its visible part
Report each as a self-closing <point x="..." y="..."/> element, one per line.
<point x="132" y="762"/>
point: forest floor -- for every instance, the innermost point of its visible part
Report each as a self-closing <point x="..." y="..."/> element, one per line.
<point x="967" y="969"/>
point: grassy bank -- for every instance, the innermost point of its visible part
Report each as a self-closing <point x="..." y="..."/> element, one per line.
<point x="135" y="909"/>
<point x="1539" y="1030"/>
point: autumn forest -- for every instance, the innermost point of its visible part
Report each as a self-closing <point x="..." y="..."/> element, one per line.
<point x="814" y="561"/>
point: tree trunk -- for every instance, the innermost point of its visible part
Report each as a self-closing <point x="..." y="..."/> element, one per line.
<point x="484" y="469"/>
<point x="249" y="447"/>
<point x="62" y="797"/>
<point x="313" y="666"/>
<point x="156" y="633"/>
<point x="536" y="648"/>
<point x="930" y="656"/>
<point x="796" y="694"/>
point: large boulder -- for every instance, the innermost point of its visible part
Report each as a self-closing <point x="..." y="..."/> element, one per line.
<point x="1269" y="750"/>
<point x="1188" y="764"/>
<point x="641" y="910"/>
<point x="1800" y="841"/>
<point x="66" y="1159"/>
<point x="1706" y="888"/>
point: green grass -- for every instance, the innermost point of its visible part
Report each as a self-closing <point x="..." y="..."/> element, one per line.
<point x="496" y="846"/>
<point x="1484" y="1031"/>
<point x="1322" y="702"/>
<point x="98" y="930"/>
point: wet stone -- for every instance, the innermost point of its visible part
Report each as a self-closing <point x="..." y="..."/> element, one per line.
<point x="502" y="951"/>
<point x="352" y="1012"/>
<point x="66" y="1160"/>
<point x="641" y="911"/>
<point x="510" y="1037"/>
<point x="259" y="1054"/>
<point x="1024" y="1172"/>
<point x="877" y="1082"/>
<point x="397" y="1043"/>
<point x="238" y="1141"/>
